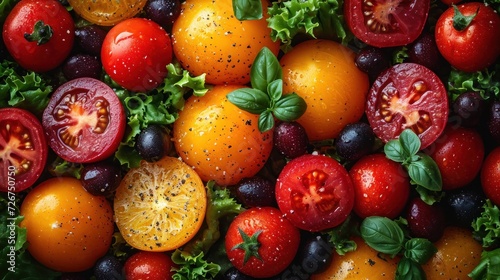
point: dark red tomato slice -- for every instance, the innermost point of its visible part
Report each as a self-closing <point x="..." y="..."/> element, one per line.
<point x="84" y="121"/>
<point x="23" y="149"/>
<point x="408" y="95"/>
<point x="386" y="23"/>
<point x="315" y="192"/>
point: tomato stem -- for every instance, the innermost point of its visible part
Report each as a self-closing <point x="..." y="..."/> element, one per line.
<point x="41" y="33"/>
<point x="461" y="22"/>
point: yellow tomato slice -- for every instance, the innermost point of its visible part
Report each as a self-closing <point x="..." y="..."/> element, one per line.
<point x="159" y="206"/>
<point x="107" y="12"/>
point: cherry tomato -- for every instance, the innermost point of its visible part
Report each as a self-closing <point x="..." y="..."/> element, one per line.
<point x="149" y="265"/>
<point x="315" y="192"/>
<point x="261" y="243"/>
<point x="459" y="154"/>
<point x="68" y="229"/>
<point x="107" y="12"/>
<point x="408" y="95"/>
<point x="84" y="121"/>
<point x="39" y="34"/>
<point x="490" y="176"/>
<point x="383" y="23"/>
<point x="135" y="54"/>
<point x="208" y="39"/>
<point x="219" y="140"/>
<point x="381" y="186"/>
<point x="23" y="149"/>
<point x="471" y="47"/>
<point x="324" y="74"/>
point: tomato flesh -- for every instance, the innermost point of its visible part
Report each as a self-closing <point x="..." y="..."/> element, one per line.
<point x="315" y="192"/>
<point x="405" y="96"/>
<point x="23" y="149"/>
<point x="84" y="121"/>
<point x="386" y="23"/>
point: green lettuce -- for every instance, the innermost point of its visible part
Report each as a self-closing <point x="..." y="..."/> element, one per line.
<point x="486" y="82"/>
<point x="315" y="18"/>
<point x="5" y="7"/>
<point x="23" y="89"/>
<point x="488" y="267"/>
<point x="487" y="226"/>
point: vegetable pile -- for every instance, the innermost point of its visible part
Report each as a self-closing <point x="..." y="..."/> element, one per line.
<point x="250" y="139"/>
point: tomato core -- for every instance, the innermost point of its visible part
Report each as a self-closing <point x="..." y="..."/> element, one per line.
<point x="313" y="195"/>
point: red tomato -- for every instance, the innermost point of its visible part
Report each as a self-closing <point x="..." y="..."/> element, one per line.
<point x="315" y="192"/>
<point x="474" y="47"/>
<point x="84" y="121"/>
<point x="382" y="23"/>
<point x="135" y="54"/>
<point x="459" y="153"/>
<point x="45" y="49"/>
<point x="23" y="149"/>
<point x="149" y="265"/>
<point x="404" y="96"/>
<point x="450" y="2"/>
<point x="381" y="186"/>
<point x="490" y="176"/>
<point x="261" y="243"/>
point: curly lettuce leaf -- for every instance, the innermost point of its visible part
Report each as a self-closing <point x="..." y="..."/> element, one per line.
<point x="487" y="226"/>
<point x="23" y="89"/>
<point x="316" y="18"/>
<point x="59" y="168"/>
<point x="486" y="82"/>
<point x="488" y="267"/>
<point x="193" y="267"/>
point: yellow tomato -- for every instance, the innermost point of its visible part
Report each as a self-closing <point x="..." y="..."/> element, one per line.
<point x="458" y="254"/>
<point x="219" y="140"/>
<point x="207" y="38"/>
<point x="107" y="12"/>
<point x="68" y="229"/>
<point x="324" y="74"/>
<point x="363" y="263"/>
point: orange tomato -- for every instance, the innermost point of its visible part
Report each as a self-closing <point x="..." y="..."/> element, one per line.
<point x="107" y="12"/>
<point x="159" y="206"/>
<point x="324" y="74"/>
<point x="207" y="38"/>
<point x="219" y="140"/>
<point x="458" y="254"/>
<point x="363" y="263"/>
<point x="68" y="229"/>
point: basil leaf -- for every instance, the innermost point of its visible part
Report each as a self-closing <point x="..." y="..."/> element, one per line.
<point x="290" y="107"/>
<point x="249" y="99"/>
<point x="266" y="121"/>
<point x="428" y="196"/>
<point x="247" y="9"/>
<point x="394" y="151"/>
<point x="275" y="90"/>
<point x="409" y="270"/>
<point x="409" y="141"/>
<point x="265" y="69"/>
<point x="382" y="234"/>
<point x="419" y="250"/>
<point x="425" y="172"/>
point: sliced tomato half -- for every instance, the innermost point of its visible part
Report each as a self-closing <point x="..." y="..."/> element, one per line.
<point x="386" y="23"/>
<point x="84" y="121"/>
<point x="23" y="149"/>
<point x="408" y="95"/>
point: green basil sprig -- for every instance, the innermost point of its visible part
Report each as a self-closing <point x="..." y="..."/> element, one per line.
<point x="422" y="169"/>
<point x="386" y="236"/>
<point x="266" y="96"/>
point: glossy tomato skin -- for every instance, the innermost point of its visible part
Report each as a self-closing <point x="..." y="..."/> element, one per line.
<point x="219" y="140"/>
<point x="490" y="176"/>
<point x="279" y="241"/>
<point x="408" y="95"/>
<point x="135" y="54"/>
<point x="84" y="121"/>
<point x="459" y="154"/>
<point x="475" y="47"/>
<point x="107" y="12"/>
<point x="381" y="186"/>
<point x="386" y="23"/>
<point x="149" y="265"/>
<point x="68" y="229"/>
<point x="207" y="38"/>
<point x="324" y="74"/>
<point x="315" y="192"/>
<point x="29" y="54"/>
<point x="23" y="149"/>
